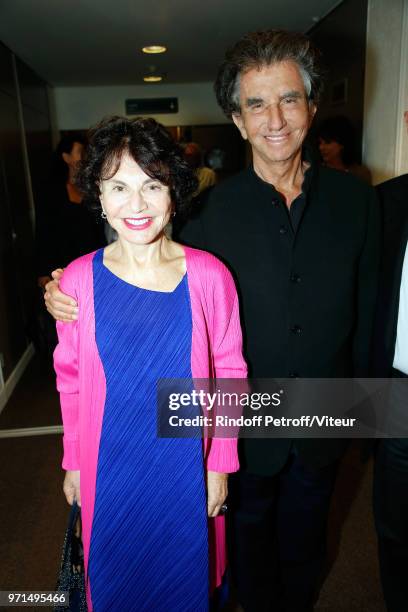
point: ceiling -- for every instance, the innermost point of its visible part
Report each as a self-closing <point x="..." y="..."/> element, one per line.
<point x="98" y="42"/>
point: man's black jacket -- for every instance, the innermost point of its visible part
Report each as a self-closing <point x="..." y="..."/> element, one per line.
<point x="393" y="197"/>
<point x="307" y="284"/>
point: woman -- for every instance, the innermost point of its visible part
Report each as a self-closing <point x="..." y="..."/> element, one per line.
<point x="337" y="146"/>
<point x="148" y="309"/>
<point x="65" y="228"/>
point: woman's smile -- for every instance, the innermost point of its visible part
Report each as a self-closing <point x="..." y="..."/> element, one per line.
<point x="138" y="224"/>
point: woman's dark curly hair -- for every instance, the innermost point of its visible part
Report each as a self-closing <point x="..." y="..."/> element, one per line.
<point x="264" y="48"/>
<point x="149" y="144"/>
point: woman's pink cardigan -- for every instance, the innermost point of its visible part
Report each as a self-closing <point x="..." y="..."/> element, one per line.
<point x="216" y="353"/>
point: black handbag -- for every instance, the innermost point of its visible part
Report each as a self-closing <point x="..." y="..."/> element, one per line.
<point x="72" y="574"/>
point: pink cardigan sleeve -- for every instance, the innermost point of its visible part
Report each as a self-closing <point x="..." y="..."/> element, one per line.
<point x="227" y="358"/>
<point x="66" y="361"/>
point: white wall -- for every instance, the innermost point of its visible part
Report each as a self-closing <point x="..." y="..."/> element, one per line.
<point x="385" y="146"/>
<point x="81" y="107"/>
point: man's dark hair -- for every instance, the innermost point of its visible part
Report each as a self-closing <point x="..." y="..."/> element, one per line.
<point x="264" y="48"/>
<point x="148" y="143"/>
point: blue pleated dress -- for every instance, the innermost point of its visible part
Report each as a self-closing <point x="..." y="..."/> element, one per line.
<point x="149" y="541"/>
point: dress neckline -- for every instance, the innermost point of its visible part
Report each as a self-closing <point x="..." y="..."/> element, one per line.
<point x="181" y="281"/>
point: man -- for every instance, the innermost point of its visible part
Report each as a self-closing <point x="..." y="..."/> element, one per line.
<point x="302" y="242"/>
<point x="391" y="360"/>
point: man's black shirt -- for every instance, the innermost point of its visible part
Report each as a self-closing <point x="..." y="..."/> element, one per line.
<point x="307" y="280"/>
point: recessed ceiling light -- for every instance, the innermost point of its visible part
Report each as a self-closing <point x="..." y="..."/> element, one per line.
<point x="152" y="78"/>
<point x="154" y="49"/>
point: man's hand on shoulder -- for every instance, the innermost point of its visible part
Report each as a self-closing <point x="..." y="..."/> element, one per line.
<point x="62" y="307"/>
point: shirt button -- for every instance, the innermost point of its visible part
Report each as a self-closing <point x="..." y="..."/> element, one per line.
<point x="296" y="329"/>
<point x="295" y="278"/>
<point x="283" y="229"/>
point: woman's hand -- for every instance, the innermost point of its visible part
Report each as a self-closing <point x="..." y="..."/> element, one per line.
<point x="71" y="487"/>
<point x="217" y="491"/>
<point x="60" y="306"/>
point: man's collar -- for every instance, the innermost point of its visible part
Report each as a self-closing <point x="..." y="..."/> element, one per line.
<point x="307" y="156"/>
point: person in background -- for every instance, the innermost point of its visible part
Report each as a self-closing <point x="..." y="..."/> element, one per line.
<point x="149" y="309"/>
<point x="391" y="360"/>
<point x="65" y="228"/>
<point x="337" y="146"/>
<point x="194" y="157"/>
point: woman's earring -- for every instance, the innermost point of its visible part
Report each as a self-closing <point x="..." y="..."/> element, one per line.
<point x="173" y="214"/>
<point x="103" y="214"/>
